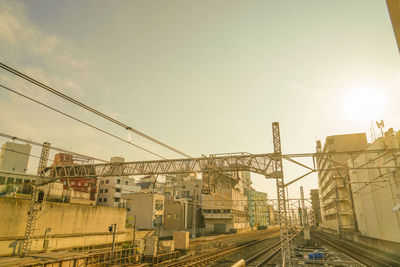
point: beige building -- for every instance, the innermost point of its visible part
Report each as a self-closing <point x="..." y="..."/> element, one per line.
<point x="148" y="208"/>
<point x="334" y="191"/>
<point x="315" y="214"/>
<point x="112" y="187"/>
<point x="226" y="210"/>
<point x="376" y="192"/>
<point x="14" y="157"/>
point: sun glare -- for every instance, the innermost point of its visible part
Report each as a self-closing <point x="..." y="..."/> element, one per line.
<point x="364" y="104"/>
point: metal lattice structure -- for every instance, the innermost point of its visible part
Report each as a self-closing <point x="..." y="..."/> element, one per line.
<point x="257" y="163"/>
<point x="280" y="187"/>
<point x="37" y="201"/>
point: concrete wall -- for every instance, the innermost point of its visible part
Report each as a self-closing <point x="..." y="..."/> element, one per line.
<point x="72" y="225"/>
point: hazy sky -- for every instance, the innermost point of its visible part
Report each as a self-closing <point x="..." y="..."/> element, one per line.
<point x="203" y="76"/>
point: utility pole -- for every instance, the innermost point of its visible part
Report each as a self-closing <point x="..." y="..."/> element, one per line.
<point x="113" y="229"/>
<point x="134" y="232"/>
<point x="37" y="201"/>
<point x="303" y="207"/>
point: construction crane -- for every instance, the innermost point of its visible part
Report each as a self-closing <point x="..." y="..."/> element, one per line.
<point x="37" y="201"/>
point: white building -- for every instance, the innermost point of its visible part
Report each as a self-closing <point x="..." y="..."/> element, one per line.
<point x="14" y="157"/>
<point x="376" y="192"/>
<point x="111" y="188"/>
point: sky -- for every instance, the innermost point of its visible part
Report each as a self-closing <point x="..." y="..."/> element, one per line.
<point x="203" y="76"/>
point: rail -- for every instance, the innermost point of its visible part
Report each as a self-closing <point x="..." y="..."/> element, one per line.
<point x="210" y="258"/>
<point x="267" y="254"/>
<point x="358" y="254"/>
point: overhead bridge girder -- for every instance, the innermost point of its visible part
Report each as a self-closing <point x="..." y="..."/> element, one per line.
<point x="259" y="163"/>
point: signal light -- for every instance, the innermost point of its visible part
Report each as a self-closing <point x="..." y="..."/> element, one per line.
<point x="110" y="228"/>
<point x="40" y="197"/>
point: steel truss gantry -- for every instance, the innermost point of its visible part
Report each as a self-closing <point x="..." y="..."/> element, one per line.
<point x="216" y="171"/>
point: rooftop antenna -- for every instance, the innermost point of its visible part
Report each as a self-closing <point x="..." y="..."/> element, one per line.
<point x="380" y="125"/>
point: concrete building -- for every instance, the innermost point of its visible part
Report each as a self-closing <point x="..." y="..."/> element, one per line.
<point x="225" y="211"/>
<point x="179" y="215"/>
<point x="334" y="191"/>
<point x="112" y="187"/>
<point x="376" y="192"/>
<point x="148" y="208"/>
<point x="315" y="214"/>
<point x="14" y="157"/>
<point x="257" y="209"/>
<point x="81" y="186"/>
<point x="272" y="216"/>
<point x="185" y="186"/>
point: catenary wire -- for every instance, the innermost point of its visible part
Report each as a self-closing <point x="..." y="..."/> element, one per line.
<point x="78" y="103"/>
<point x="78" y="120"/>
<point x="52" y="147"/>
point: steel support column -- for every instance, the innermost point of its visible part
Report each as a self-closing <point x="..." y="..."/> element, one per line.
<point x="280" y="186"/>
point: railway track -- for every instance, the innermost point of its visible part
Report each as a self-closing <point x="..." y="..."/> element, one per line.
<point x="210" y="258"/>
<point x="356" y="253"/>
<point x="265" y="256"/>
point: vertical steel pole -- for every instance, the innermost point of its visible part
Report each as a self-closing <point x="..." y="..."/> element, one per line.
<point x="280" y="186"/>
<point x="114" y="231"/>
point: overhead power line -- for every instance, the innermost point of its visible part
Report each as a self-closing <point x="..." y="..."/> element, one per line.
<point x="78" y="120"/>
<point x="78" y="103"/>
<point x="52" y="147"/>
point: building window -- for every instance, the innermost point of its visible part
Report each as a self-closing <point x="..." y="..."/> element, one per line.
<point x="116" y="199"/>
<point x="18" y="180"/>
<point x="101" y="182"/>
<point x="107" y="181"/>
<point x="101" y="190"/>
<point x="10" y="180"/>
<point x="2" y="180"/>
<point x="105" y="199"/>
<point x="100" y="199"/>
<point x="118" y="190"/>
<point x="128" y="209"/>
<point x="118" y="181"/>
<point x="126" y="182"/>
<point x="106" y="190"/>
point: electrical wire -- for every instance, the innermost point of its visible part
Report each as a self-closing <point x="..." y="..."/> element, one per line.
<point x="52" y="147"/>
<point x="78" y="120"/>
<point x="94" y="111"/>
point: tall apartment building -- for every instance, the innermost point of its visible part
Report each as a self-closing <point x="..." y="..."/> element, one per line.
<point x="376" y="192"/>
<point x="315" y="216"/>
<point x="334" y="190"/>
<point x="14" y="157"/>
<point x="111" y="187"/>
